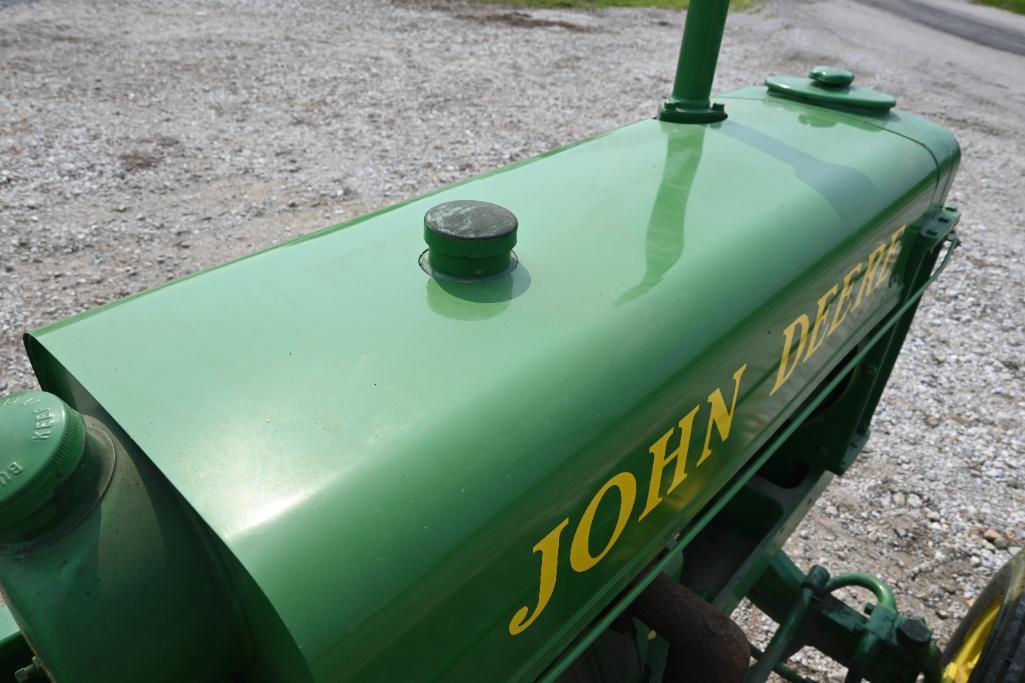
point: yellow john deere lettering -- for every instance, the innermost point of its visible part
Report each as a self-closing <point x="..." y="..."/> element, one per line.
<point x="720" y="419"/>
<point x="873" y="273"/>
<point x="831" y="311"/>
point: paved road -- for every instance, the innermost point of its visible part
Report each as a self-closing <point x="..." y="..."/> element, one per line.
<point x="960" y="24"/>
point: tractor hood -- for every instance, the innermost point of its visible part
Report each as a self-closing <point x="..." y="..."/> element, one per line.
<point x="432" y="479"/>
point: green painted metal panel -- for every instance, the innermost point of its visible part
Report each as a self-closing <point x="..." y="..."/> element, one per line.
<point x="128" y="589"/>
<point x="382" y="451"/>
<point x="942" y="146"/>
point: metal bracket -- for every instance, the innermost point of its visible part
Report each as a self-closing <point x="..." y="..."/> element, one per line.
<point x="885" y="645"/>
<point x="676" y="111"/>
<point x="939" y="225"/>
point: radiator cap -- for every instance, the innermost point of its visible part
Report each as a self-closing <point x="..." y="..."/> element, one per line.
<point x="831" y="76"/>
<point x="831" y="86"/>
<point x="42" y="440"/>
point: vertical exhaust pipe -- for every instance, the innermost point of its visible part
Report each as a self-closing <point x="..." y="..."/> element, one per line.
<point x="699" y="52"/>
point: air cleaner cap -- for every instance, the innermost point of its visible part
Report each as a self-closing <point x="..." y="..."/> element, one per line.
<point x="470" y="239"/>
<point x="42" y="440"/>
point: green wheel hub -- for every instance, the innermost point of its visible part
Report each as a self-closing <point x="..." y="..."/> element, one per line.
<point x="42" y="440"/>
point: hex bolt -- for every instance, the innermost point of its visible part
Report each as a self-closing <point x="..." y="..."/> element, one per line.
<point x="32" y="672"/>
<point x="914" y="632"/>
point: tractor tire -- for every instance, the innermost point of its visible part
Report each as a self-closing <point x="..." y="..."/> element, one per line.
<point x="989" y="643"/>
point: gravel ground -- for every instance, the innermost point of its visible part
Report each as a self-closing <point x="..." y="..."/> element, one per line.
<point x="141" y="141"/>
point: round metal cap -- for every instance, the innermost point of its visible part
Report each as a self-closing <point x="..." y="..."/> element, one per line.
<point x="817" y="92"/>
<point x="41" y="442"/>
<point x="470" y="239"/>
<point x="831" y="76"/>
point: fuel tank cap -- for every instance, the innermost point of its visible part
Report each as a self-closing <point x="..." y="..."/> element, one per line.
<point x="42" y="440"/>
<point x="469" y="240"/>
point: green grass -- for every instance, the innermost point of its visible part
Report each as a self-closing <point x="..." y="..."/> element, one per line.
<point x="672" y="4"/>
<point x="1011" y="5"/>
<point x="681" y="4"/>
<point x="741" y="5"/>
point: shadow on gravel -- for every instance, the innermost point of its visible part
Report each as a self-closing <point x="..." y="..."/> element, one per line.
<point x="523" y="20"/>
<point x="12" y="3"/>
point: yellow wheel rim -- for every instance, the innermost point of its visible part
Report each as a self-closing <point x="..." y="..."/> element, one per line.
<point x="960" y="668"/>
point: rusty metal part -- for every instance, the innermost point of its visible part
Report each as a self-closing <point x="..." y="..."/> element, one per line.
<point x="704" y="643"/>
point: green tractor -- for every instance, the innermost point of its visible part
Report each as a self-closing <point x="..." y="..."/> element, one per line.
<point x="551" y="423"/>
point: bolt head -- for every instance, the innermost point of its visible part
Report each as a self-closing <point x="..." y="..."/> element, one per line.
<point x="915" y="631"/>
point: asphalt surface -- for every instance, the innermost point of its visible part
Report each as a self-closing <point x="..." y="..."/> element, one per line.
<point x="957" y="23"/>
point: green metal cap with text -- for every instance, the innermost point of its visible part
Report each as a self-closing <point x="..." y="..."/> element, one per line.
<point x="42" y="440"/>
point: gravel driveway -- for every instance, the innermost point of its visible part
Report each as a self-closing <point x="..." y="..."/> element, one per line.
<point x="142" y="141"/>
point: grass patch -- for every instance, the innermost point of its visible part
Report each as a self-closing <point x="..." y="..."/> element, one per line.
<point x="669" y="4"/>
<point x="677" y="4"/>
<point x="1011" y="5"/>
